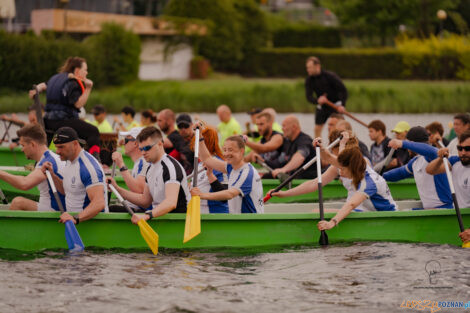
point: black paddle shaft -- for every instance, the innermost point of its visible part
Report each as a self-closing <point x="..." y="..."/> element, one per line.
<point x="121" y="199"/>
<point x="196" y="156"/>
<point x="323" y="236"/>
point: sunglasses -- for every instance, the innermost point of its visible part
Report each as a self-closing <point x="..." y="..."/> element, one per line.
<point x="126" y="140"/>
<point x="147" y="148"/>
<point x="183" y="126"/>
<point x="465" y="148"/>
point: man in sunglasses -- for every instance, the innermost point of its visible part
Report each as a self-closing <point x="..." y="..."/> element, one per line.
<point x="166" y="187"/>
<point x="135" y="179"/>
<point x="460" y="166"/>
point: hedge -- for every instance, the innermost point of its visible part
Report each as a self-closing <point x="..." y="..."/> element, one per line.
<point x="299" y="35"/>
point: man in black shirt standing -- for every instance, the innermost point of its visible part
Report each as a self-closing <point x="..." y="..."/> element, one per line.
<point x="297" y="150"/>
<point x="327" y="86"/>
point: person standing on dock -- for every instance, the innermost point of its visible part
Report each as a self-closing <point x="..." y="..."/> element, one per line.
<point x="83" y="180"/>
<point x="245" y="190"/>
<point x="67" y="92"/>
<point x="33" y="140"/>
<point x="460" y="166"/>
<point x="327" y="86"/>
<point x="166" y="188"/>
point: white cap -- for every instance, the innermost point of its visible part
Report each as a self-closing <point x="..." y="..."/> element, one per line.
<point x="134" y="132"/>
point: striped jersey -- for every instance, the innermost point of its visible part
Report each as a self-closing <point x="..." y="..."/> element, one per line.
<point x="165" y="171"/>
<point x="461" y="180"/>
<point x="211" y="206"/>
<point x="47" y="200"/>
<point x="79" y="175"/>
<point x="247" y="181"/>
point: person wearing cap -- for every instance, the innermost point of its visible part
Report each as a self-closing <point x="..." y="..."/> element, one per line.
<point x="401" y="156"/>
<point x="184" y="124"/>
<point x="461" y="124"/>
<point x="99" y="113"/>
<point x="83" y="182"/>
<point x="436" y="133"/>
<point x="127" y="114"/>
<point x="67" y="93"/>
<point x="166" y="188"/>
<point x="327" y="86"/>
<point x="33" y="140"/>
<point x="460" y="166"/>
<point x="174" y="143"/>
<point x="134" y="180"/>
<point x="433" y="191"/>
<point x="228" y="125"/>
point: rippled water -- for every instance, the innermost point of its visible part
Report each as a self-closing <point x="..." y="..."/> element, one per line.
<point x="364" y="277"/>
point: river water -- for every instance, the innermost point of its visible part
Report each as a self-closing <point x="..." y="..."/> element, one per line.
<point x="363" y="277"/>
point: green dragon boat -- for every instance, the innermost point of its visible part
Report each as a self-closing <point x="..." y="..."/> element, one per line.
<point x="33" y="231"/>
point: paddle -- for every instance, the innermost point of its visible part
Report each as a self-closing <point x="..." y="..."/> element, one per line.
<point x="332" y="105"/>
<point x="2" y="196"/>
<point x="323" y="236"/>
<point x="190" y="176"/>
<point x="454" y="198"/>
<point x="379" y="167"/>
<point x="38" y="108"/>
<point x="7" y="128"/>
<point x="71" y="234"/>
<point x="299" y="171"/>
<point x="282" y="176"/>
<point x="192" y="227"/>
<point x="147" y="232"/>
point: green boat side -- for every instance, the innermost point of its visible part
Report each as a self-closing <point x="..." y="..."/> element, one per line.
<point x="33" y="231"/>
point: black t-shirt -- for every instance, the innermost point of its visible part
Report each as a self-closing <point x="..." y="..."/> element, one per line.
<point x="325" y="83"/>
<point x="271" y="155"/>
<point x="303" y="145"/>
<point x="186" y="156"/>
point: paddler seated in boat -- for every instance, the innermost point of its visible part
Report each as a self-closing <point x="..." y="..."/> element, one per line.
<point x="245" y="190"/>
<point x="433" y="191"/>
<point x="33" y="140"/>
<point x="210" y="180"/>
<point x="269" y="146"/>
<point x="460" y="166"/>
<point x="83" y="178"/>
<point x="342" y="126"/>
<point x="32" y="119"/>
<point x="297" y="150"/>
<point x="135" y="179"/>
<point x="166" y="187"/>
<point x="367" y="191"/>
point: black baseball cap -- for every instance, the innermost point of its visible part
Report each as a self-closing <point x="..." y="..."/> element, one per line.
<point x="254" y="111"/>
<point x="417" y="134"/>
<point x="66" y="134"/>
<point x="183" y="119"/>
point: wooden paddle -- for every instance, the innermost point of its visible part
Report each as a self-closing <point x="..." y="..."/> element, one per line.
<point x="332" y="105"/>
<point x="192" y="226"/>
<point x="454" y="198"/>
<point x="2" y="196"/>
<point x="299" y="171"/>
<point x="72" y="236"/>
<point x="323" y="236"/>
<point x="147" y="232"/>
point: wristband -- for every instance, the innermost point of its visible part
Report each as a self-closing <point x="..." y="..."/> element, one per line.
<point x="122" y="169"/>
<point x="77" y="219"/>
<point x="150" y="214"/>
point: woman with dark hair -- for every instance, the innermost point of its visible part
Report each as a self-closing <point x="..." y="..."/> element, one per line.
<point x="148" y="118"/>
<point x="67" y="92"/>
<point x="211" y="180"/>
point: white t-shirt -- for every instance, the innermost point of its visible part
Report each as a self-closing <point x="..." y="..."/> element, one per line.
<point x="452" y="146"/>
<point x="47" y="200"/>
<point x="79" y="175"/>
<point x="139" y="169"/>
<point x="247" y="181"/>
<point x="461" y="180"/>
<point x="211" y="206"/>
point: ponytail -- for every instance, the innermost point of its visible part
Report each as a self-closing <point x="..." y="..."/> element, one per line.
<point x="353" y="159"/>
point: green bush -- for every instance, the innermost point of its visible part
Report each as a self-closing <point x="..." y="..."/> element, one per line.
<point x="305" y="35"/>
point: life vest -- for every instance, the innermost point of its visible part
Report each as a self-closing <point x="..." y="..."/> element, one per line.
<point x="57" y="106"/>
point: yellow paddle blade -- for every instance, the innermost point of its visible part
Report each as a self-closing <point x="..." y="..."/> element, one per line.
<point x="192" y="228"/>
<point x="466" y="244"/>
<point x="150" y="236"/>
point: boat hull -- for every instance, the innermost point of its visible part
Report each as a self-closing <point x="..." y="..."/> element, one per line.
<point x="32" y="231"/>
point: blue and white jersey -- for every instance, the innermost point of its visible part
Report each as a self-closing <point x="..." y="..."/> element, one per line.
<point x="79" y="175"/>
<point x="461" y="180"/>
<point x="247" y="181"/>
<point x="211" y="206"/>
<point x="375" y="188"/>
<point x="140" y="169"/>
<point x="434" y="191"/>
<point x="47" y="200"/>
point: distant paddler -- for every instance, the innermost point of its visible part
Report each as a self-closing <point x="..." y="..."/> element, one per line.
<point x="367" y="190"/>
<point x="67" y="92"/>
<point x="83" y="182"/>
<point x="166" y="187"/>
<point x="135" y="179"/>
<point x="245" y="190"/>
<point x="33" y="140"/>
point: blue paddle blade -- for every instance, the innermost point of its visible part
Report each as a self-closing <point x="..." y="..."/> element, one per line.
<point x="73" y="238"/>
